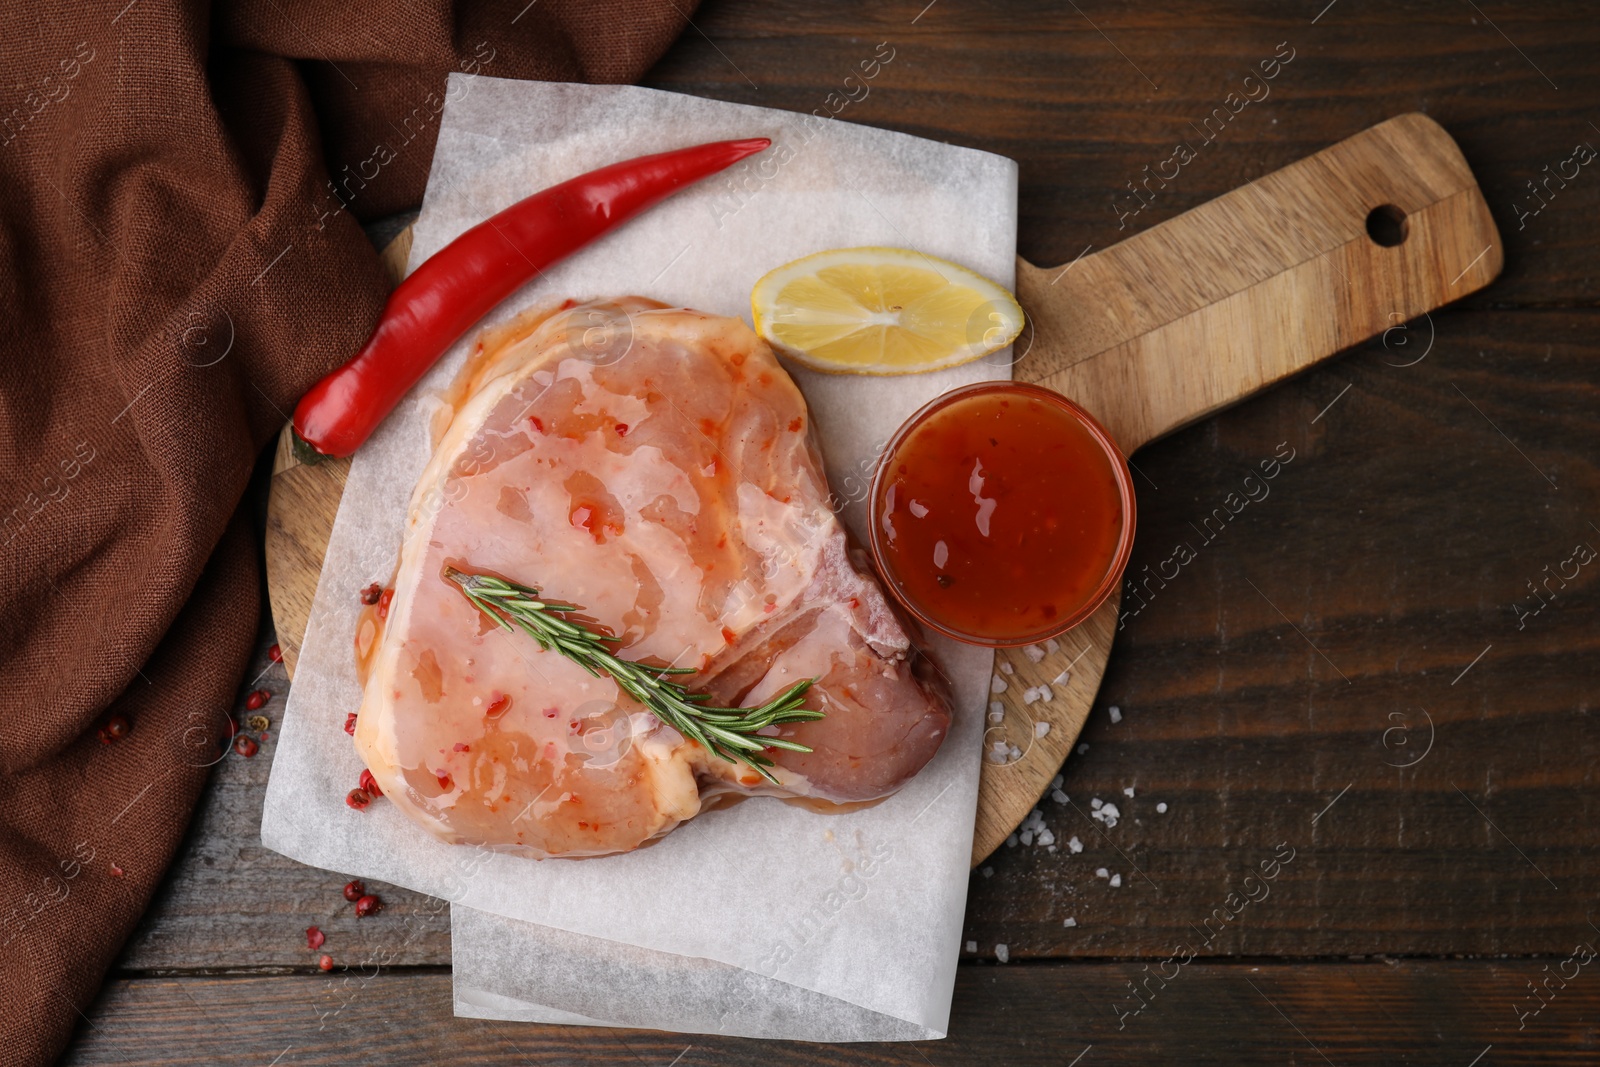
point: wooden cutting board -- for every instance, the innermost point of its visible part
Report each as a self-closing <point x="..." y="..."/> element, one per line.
<point x="1151" y="334"/>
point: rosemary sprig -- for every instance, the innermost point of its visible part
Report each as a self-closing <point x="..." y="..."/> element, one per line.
<point x="730" y="733"/>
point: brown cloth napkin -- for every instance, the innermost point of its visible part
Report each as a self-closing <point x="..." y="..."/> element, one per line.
<point x="180" y="258"/>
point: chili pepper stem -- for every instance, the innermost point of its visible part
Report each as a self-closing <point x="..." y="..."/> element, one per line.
<point x="304" y="450"/>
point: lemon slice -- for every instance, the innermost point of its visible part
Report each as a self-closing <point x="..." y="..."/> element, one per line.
<point x="882" y="311"/>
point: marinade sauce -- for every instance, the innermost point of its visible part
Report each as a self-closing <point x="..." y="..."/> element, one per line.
<point x="1002" y="514"/>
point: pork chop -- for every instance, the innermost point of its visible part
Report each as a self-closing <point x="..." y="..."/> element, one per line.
<point x="656" y="467"/>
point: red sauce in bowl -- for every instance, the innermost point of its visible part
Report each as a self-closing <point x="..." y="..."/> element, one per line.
<point x="1002" y="514"/>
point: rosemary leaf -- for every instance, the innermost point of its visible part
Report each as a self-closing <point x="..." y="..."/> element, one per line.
<point x="729" y="733"/>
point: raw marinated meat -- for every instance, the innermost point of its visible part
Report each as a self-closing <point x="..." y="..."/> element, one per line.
<point x="656" y="467"/>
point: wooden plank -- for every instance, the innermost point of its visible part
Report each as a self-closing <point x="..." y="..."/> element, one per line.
<point x="1053" y="1015"/>
<point x="1396" y="539"/>
<point x="1037" y="81"/>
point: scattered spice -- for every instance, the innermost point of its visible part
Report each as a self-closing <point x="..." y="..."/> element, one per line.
<point x="246" y="745"/>
<point x="622" y="429"/>
<point x="368" y="905"/>
<point x="355" y="890"/>
<point x="383" y="603"/>
<point x="325" y="962"/>
<point x="116" y="872"/>
<point x="358" y="799"/>
<point x="115" y="729"/>
<point x="369" y="783"/>
<point x="314" y="938"/>
<point x="350" y="724"/>
<point x="255" y="700"/>
<point x="275" y="653"/>
<point x="370" y="595"/>
<point x="497" y="706"/>
<point x="259" y="722"/>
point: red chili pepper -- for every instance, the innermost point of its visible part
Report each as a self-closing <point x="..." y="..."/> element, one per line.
<point x="463" y="281"/>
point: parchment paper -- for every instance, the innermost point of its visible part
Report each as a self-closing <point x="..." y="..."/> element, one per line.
<point x="765" y="919"/>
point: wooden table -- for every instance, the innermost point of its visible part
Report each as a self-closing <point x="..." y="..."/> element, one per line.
<point x="1341" y="670"/>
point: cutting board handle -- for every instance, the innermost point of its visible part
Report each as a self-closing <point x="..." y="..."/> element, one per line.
<point x="1201" y="311"/>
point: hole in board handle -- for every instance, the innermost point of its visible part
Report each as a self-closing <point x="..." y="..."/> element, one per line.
<point x="1386" y="225"/>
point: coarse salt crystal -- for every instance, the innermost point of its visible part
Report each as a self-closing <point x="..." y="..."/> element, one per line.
<point x="1052" y="646"/>
<point x="1055" y="783"/>
<point x="1101" y="872"/>
<point x="1058" y="796"/>
<point x="1127" y="791"/>
<point x="1011" y="842"/>
<point x="997" y="757"/>
<point x="997" y="684"/>
<point x="1027" y="837"/>
<point x="1033" y="652"/>
<point x="1116" y="713"/>
<point x="1083" y="748"/>
<point x="1030" y="696"/>
<point x="1075" y="845"/>
<point x="1062" y="679"/>
<point x="1002" y="953"/>
<point x="1116" y="881"/>
<point x="1016" y="753"/>
<point x="1045" y="693"/>
<point x="972" y="946"/>
<point x="1096" y="804"/>
<point x="1162" y="807"/>
<point x="1064" y="922"/>
<point x="1046" y="837"/>
<point x="987" y="872"/>
<point x="1008" y="668"/>
<point x="1106" y="813"/>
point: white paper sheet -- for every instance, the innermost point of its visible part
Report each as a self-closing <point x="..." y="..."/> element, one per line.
<point x="764" y="919"/>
